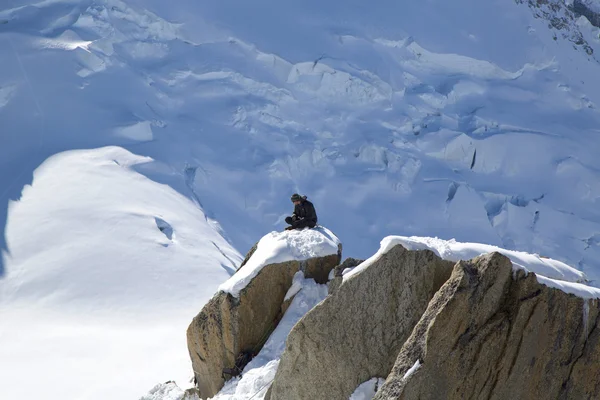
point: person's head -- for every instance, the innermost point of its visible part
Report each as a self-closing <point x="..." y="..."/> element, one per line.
<point x="296" y="199"/>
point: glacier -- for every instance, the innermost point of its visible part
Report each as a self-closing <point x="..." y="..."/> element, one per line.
<point x="468" y="120"/>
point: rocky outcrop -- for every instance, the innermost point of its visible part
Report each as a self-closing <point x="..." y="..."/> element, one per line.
<point x="562" y="19"/>
<point x="230" y="330"/>
<point x="357" y="333"/>
<point x="339" y="269"/>
<point x="489" y="335"/>
<point x="348" y="263"/>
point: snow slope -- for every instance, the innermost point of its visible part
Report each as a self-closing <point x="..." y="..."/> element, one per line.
<point x="106" y="269"/>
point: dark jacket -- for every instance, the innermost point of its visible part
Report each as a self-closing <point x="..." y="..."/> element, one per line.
<point x="305" y="211"/>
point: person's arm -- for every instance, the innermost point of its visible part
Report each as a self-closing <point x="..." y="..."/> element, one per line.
<point x="311" y="214"/>
<point x="295" y="215"/>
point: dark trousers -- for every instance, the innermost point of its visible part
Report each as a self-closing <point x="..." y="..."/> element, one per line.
<point x="300" y="223"/>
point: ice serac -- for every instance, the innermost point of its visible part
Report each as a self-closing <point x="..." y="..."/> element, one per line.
<point x="238" y="320"/>
<point x="356" y="332"/>
<point x="492" y="334"/>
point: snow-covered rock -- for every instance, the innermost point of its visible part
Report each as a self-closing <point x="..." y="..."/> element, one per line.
<point x="550" y="272"/>
<point x="452" y="250"/>
<point x="279" y="247"/>
<point x="234" y="325"/>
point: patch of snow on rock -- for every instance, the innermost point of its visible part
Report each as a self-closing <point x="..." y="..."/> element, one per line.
<point x="412" y="370"/>
<point x="278" y="247"/>
<point x="296" y="285"/>
<point x="367" y="390"/>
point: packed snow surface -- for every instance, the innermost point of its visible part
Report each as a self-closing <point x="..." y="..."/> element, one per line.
<point x="106" y="270"/>
<point x="549" y="272"/>
<point x="367" y="390"/>
<point x="278" y="247"/>
<point x="260" y="372"/>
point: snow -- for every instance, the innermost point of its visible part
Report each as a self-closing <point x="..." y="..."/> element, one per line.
<point x="412" y="370"/>
<point x="454" y="251"/>
<point x="139" y="131"/>
<point x="165" y="391"/>
<point x="94" y="289"/>
<point x="367" y="390"/>
<point x="411" y="118"/>
<point x="278" y="247"/>
<point x="577" y="289"/>
<point x="260" y="372"/>
<point x="549" y="272"/>
<point x="296" y="285"/>
<point x="593" y="5"/>
<point x="375" y="117"/>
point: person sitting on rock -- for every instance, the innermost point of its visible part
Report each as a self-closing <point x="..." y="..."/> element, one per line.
<point x="304" y="214"/>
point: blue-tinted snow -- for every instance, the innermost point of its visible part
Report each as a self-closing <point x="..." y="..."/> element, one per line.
<point x="375" y="112"/>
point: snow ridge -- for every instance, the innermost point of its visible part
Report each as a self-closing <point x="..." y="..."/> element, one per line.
<point x="549" y="272"/>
